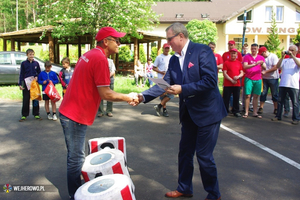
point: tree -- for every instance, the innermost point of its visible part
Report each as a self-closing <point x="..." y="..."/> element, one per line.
<point x="124" y="53"/>
<point x="273" y="41"/>
<point x="8" y="17"/>
<point x="142" y="54"/>
<point x="153" y="54"/>
<point x="76" y="17"/>
<point x="202" y="31"/>
<point x="297" y="38"/>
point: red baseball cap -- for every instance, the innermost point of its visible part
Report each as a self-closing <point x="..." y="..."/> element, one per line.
<point x="166" y="45"/>
<point x="233" y="50"/>
<point x="261" y="50"/>
<point x="231" y="42"/>
<point x="108" y="31"/>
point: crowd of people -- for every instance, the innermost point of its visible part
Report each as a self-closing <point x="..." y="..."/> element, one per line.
<point x="257" y="72"/>
<point x="192" y="73"/>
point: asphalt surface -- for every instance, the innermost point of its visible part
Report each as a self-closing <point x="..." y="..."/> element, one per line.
<point x="257" y="159"/>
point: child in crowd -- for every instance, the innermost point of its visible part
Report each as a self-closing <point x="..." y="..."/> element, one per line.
<point x="149" y="70"/>
<point x="65" y="74"/>
<point x="29" y="68"/>
<point x="232" y="71"/>
<point x="45" y="78"/>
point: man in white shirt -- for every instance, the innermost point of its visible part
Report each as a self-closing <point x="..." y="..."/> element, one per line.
<point x="161" y="66"/>
<point x="289" y="82"/>
<point x="270" y="79"/>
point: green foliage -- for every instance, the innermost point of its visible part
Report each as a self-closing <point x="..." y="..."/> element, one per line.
<point x="153" y="54"/>
<point x="125" y="54"/>
<point x="77" y="17"/>
<point x="26" y="14"/>
<point x="142" y="54"/>
<point x="44" y="55"/>
<point x="202" y="31"/>
<point x="273" y="40"/>
<point x="297" y="38"/>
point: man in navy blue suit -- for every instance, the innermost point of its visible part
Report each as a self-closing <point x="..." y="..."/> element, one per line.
<point x="192" y="73"/>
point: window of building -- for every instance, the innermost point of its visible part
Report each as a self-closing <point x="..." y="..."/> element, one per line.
<point x="248" y="16"/>
<point x="278" y="13"/>
<point x="269" y="13"/>
<point x="297" y="15"/>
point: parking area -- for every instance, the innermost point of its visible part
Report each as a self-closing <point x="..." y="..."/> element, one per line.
<point x="256" y="158"/>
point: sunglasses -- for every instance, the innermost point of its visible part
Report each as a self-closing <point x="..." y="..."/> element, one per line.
<point x="170" y="38"/>
<point x="115" y="40"/>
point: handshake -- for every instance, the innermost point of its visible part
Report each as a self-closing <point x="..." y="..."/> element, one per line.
<point x="135" y="98"/>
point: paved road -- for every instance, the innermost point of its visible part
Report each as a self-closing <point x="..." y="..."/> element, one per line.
<point x="257" y="159"/>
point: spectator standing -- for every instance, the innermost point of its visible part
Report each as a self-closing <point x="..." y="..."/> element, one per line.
<point x="89" y="84"/>
<point x="232" y="71"/>
<point x="245" y="49"/>
<point x="149" y="70"/>
<point x="109" y="104"/>
<point x="289" y="82"/>
<point x="253" y="65"/>
<point x="29" y="68"/>
<point x="65" y="74"/>
<point x="46" y="77"/>
<point x="218" y="57"/>
<point x="226" y="55"/>
<point x="270" y="79"/>
<point x="161" y="66"/>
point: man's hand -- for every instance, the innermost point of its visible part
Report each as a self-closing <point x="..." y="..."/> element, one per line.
<point x="174" y="89"/>
<point x="134" y="99"/>
<point x="21" y="88"/>
<point x="236" y="78"/>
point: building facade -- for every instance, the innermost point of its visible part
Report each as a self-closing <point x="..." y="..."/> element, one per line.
<point x="228" y="16"/>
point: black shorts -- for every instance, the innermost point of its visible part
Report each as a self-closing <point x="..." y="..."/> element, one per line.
<point x="45" y="97"/>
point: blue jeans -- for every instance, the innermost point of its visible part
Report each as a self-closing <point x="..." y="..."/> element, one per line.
<point x="273" y="85"/>
<point x="150" y="75"/>
<point x="293" y="93"/>
<point x="75" y="142"/>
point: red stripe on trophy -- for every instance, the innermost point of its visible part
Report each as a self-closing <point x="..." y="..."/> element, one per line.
<point x="121" y="145"/>
<point x="85" y="176"/>
<point x="126" y="194"/>
<point x="117" y="169"/>
<point x="94" y="146"/>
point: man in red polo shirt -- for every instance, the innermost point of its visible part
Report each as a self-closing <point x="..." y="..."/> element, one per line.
<point x="226" y="55"/>
<point x="218" y="57"/>
<point x="232" y="71"/>
<point x="89" y="84"/>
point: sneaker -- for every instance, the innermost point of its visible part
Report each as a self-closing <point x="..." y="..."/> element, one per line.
<point x="54" y="117"/>
<point x="23" y="118"/>
<point x="286" y="114"/>
<point x="275" y="119"/>
<point x="50" y="117"/>
<point x="295" y="122"/>
<point x="260" y="111"/>
<point x="165" y="113"/>
<point x="37" y="117"/>
<point x="237" y="114"/>
<point x="157" y="109"/>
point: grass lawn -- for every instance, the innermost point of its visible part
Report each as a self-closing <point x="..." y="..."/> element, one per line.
<point x="123" y="84"/>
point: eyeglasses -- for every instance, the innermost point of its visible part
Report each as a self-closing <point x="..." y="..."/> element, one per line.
<point x="170" y="38"/>
<point x="115" y="40"/>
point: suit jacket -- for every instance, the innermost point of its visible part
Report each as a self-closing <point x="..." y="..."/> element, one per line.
<point x="200" y="95"/>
